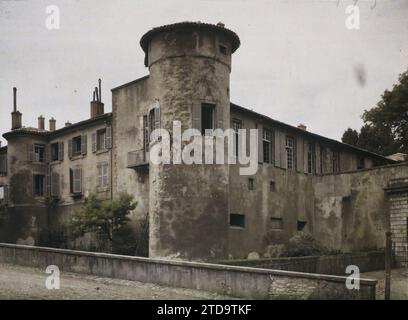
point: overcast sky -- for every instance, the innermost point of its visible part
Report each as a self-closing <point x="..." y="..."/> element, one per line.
<point x="298" y="63"/>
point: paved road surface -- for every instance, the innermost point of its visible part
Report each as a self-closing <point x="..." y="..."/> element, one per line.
<point x="18" y="282"/>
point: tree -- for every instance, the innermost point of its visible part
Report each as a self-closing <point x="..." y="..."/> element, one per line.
<point x="105" y="217"/>
<point x="350" y="136"/>
<point x="385" y="129"/>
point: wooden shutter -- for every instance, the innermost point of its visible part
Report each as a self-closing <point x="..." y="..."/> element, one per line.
<point x="284" y="157"/>
<point x="83" y="144"/>
<point x="108" y="137"/>
<point x="47" y="184"/>
<point x="47" y="153"/>
<point x="30" y="152"/>
<point x="77" y="180"/>
<point x="277" y="148"/>
<point x="99" y="175"/>
<point x="55" y="184"/>
<point x="318" y="159"/>
<point x="299" y="153"/>
<point x="61" y="150"/>
<point x="305" y="156"/>
<point x="94" y="145"/>
<point x="196" y="116"/>
<point x="70" y="148"/>
<point x="260" y="143"/>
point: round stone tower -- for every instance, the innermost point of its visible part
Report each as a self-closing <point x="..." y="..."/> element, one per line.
<point x="190" y="65"/>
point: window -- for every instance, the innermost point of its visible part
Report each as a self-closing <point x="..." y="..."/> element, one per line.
<point x="223" y="49"/>
<point x="145" y="134"/>
<point x="251" y="184"/>
<point x="3" y="164"/>
<point x="100" y="139"/>
<point x="272" y="186"/>
<point x="57" y="151"/>
<point x="39" y="153"/>
<point x="75" y="180"/>
<point x="207" y="117"/>
<point x="360" y="163"/>
<point x="154" y="122"/>
<point x="236" y="126"/>
<point x="311" y="162"/>
<point x="290" y="152"/>
<point x="276" y="223"/>
<point x="301" y="225"/>
<point x="39" y="184"/>
<point x="237" y="220"/>
<point x="76" y="146"/>
<point x="267" y="144"/>
<point x="336" y="161"/>
<point x="103" y="179"/>
<point x="3" y="194"/>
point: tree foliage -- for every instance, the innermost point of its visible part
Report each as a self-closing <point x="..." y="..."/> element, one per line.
<point x="385" y="129"/>
<point x="105" y="217"/>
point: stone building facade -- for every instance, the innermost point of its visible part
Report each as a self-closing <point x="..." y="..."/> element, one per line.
<point x="304" y="182"/>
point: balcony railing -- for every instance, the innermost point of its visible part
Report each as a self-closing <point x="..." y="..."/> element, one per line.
<point x="137" y="158"/>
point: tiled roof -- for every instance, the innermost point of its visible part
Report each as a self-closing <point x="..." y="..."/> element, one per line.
<point x="144" y="42"/>
<point x="238" y="108"/>
<point x="50" y="134"/>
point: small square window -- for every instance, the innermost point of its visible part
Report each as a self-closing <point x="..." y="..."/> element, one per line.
<point x="237" y="220"/>
<point x="301" y="225"/>
<point x="223" y="49"/>
<point x="276" y="223"/>
<point x="251" y="184"/>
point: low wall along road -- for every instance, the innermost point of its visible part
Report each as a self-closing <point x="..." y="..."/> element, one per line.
<point x="244" y="282"/>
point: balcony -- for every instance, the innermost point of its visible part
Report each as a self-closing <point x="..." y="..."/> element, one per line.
<point x="137" y="159"/>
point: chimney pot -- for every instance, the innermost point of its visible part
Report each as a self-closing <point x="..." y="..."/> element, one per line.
<point x="302" y="127"/>
<point x="41" y="122"/>
<point x="52" y="124"/>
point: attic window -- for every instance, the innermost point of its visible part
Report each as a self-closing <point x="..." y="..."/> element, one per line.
<point x="223" y="49"/>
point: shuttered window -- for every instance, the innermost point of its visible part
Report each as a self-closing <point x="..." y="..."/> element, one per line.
<point x="267" y="146"/>
<point x="75" y="177"/>
<point x="290" y="152"/>
<point x="103" y="175"/>
<point x="55" y="184"/>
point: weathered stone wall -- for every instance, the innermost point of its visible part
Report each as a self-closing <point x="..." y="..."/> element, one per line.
<point x="189" y="203"/>
<point x="130" y="103"/>
<point x="242" y="282"/>
<point x="399" y="225"/>
<point x="330" y="264"/>
<point x="351" y="210"/>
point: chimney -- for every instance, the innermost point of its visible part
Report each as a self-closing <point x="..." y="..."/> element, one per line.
<point x="15" y="115"/>
<point x="52" y="124"/>
<point x="67" y="124"/>
<point x="302" y="127"/>
<point x="97" y="107"/>
<point x="41" y="123"/>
